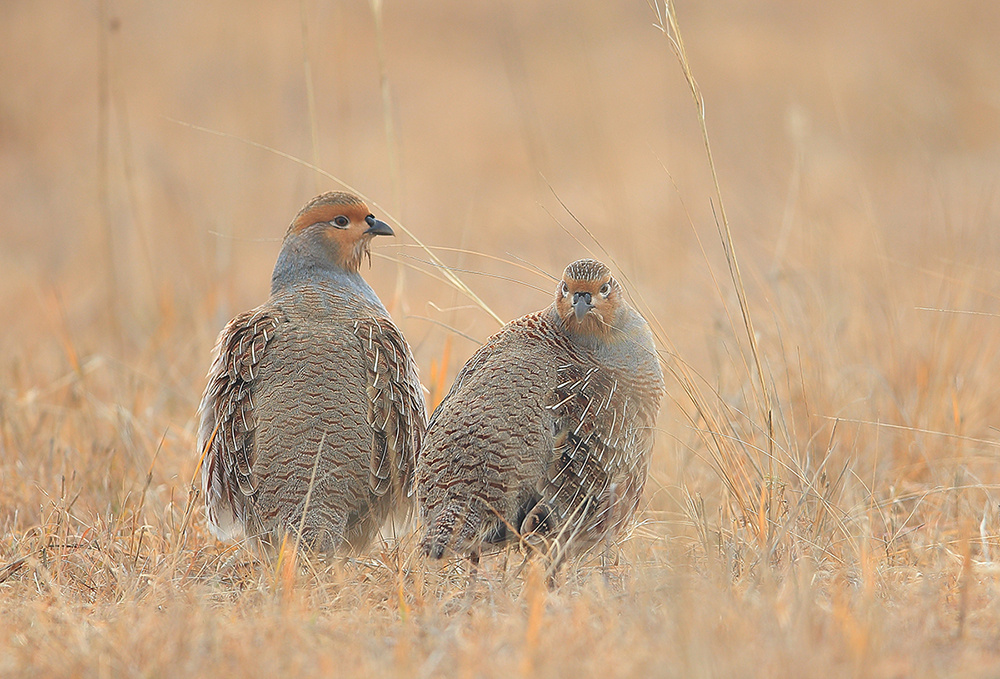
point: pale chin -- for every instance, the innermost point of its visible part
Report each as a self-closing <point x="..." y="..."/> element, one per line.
<point x="591" y="321"/>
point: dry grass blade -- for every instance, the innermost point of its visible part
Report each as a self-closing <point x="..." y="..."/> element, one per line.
<point x="824" y="495"/>
<point x="667" y="23"/>
<point x="480" y="273"/>
<point x="514" y="261"/>
<point x="310" y="89"/>
<point x="453" y="279"/>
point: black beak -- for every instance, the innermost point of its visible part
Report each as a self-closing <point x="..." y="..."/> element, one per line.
<point x="581" y="304"/>
<point x="377" y="227"/>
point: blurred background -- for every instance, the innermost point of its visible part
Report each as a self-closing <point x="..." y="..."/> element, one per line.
<point x="822" y="500"/>
<point x="857" y="146"/>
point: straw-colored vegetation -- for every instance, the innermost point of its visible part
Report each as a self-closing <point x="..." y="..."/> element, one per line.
<point x="824" y="490"/>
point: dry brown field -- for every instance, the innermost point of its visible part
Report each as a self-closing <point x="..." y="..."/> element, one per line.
<point x="824" y="498"/>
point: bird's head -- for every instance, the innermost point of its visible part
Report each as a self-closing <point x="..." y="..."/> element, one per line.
<point x="588" y="298"/>
<point x="340" y="226"/>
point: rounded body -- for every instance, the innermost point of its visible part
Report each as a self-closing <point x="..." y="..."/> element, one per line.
<point x="545" y="436"/>
<point x="313" y="411"/>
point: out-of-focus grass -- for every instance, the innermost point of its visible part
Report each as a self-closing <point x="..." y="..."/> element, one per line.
<point x="857" y="150"/>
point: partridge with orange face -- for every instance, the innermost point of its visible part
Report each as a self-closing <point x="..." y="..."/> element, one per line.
<point x="546" y="434"/>
<point x="313" y="412"/>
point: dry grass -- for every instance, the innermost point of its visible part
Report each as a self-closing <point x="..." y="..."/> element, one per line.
<point x="824" y="492"/>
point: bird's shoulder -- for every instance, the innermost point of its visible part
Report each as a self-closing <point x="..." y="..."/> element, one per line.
<point x="227" y="417"/>
<point x="397" y="413"/>
<point x="243" y="342"/>
<point x="531" y="343"/>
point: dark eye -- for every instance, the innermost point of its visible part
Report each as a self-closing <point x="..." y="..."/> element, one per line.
<point x="341" y="221"/>
<point x="605" y="289"/>
<point x="563" y="288"/>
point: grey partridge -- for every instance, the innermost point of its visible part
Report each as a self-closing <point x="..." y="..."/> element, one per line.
<point x="546" y="433"/>
<point x="313" y="412"/>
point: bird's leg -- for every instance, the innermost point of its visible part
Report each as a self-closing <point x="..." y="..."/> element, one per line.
<point x="470" y="585"/>
<point x="474" y="564"/>
<point x="552" y="574"/>
<point x="606" y="554"/>
<point x="555" y="558"/>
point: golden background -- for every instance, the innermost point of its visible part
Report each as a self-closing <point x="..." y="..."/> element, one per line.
<point x="857" y="146"/>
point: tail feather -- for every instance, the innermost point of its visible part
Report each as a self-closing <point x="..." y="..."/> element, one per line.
<point x="224" y="520"/>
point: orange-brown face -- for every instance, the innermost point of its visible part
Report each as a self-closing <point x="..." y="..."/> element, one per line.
<point x="587" y="299"/>
<point x="346" y="221"/>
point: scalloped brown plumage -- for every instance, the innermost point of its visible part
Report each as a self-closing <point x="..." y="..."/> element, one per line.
<point x="546" y="434"/>
<point x="317" y="379"/>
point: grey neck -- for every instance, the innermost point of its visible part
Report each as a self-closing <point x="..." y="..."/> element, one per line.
<point x="309" y="258"/>
<point x="585" y="340"/>
<point x="619" y="346"/>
